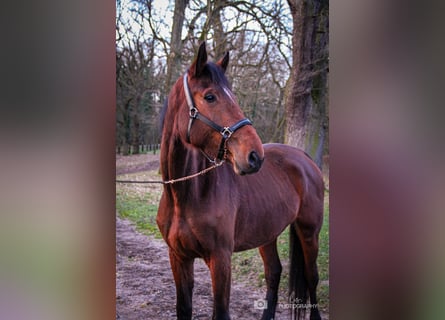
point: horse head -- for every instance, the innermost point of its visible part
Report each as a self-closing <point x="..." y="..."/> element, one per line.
<point x="216" y="124"/>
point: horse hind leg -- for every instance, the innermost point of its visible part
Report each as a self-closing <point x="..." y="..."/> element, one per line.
<point x="272" y="271"/>
<point x="308" y="237"/>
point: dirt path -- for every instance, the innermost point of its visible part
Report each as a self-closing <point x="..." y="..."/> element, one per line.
<point x="136" y="163"/>
<point x="145" y="288"/>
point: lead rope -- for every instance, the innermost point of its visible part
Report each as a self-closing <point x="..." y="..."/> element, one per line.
<point x="172" y="181"/>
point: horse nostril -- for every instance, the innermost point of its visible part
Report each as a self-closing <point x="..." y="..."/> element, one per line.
<point x="254" y="161"/>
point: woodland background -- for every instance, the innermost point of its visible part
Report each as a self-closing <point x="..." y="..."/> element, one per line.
<point x="278" y="65"/>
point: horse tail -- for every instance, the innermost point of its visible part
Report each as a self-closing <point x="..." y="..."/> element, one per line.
<point x="298" y="286"/>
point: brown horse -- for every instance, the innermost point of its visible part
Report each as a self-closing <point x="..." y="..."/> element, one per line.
<point x="236" y="206"/>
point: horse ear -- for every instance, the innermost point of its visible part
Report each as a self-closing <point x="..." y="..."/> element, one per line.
<point x="224" y="61"/>
<point x="198" y="65"/>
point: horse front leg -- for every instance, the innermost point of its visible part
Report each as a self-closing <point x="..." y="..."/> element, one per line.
<point x="221" y="273"/>
<point x="182" y="269"/>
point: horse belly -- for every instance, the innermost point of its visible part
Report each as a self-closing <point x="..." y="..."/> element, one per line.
<point x="264" y="217"/>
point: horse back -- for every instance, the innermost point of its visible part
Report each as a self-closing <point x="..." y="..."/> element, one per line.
<point x="298" y="165"/>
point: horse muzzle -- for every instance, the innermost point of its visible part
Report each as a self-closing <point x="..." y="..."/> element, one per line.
<point x="251" y="165"/>
<point x="254" y="162"/>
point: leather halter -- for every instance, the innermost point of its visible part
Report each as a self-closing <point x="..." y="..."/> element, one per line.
<point x="226" y="132"/>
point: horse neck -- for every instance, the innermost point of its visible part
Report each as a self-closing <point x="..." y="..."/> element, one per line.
<point x="178" y="158"/>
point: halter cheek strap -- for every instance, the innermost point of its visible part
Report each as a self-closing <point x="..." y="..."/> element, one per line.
<point x="226" y="132"/>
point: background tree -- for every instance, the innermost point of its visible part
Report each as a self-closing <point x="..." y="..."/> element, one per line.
<point x="307" y="121"/>
<point x="138" y="74"/>
<point x="174" y="58"/>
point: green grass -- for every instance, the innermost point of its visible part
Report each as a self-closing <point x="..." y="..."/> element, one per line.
<point x="140" y="212"/>
<point x="140" y="206"/>
<point x="323" y="260"/>
<point x="139" y="203"/>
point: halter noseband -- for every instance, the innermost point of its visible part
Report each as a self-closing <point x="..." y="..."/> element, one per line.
<point x="226" y="132"/>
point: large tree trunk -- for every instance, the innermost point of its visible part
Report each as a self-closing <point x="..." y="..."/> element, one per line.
<point x="174" y="58"/>
<point x="307" y="90"/>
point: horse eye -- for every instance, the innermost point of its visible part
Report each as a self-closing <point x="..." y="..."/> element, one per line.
<point x="210" y="97"/>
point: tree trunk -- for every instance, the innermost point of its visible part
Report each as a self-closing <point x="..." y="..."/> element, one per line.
<point x="214" y="22"/>
<point x="127" y="129"/>
<point x="307" y="92"/>
<point x="174" y="58"/>
<point x="219" y="35"/>
<point x="135" y="133"/>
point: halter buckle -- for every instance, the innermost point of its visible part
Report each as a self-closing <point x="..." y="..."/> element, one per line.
<point x="226" y="132"/>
